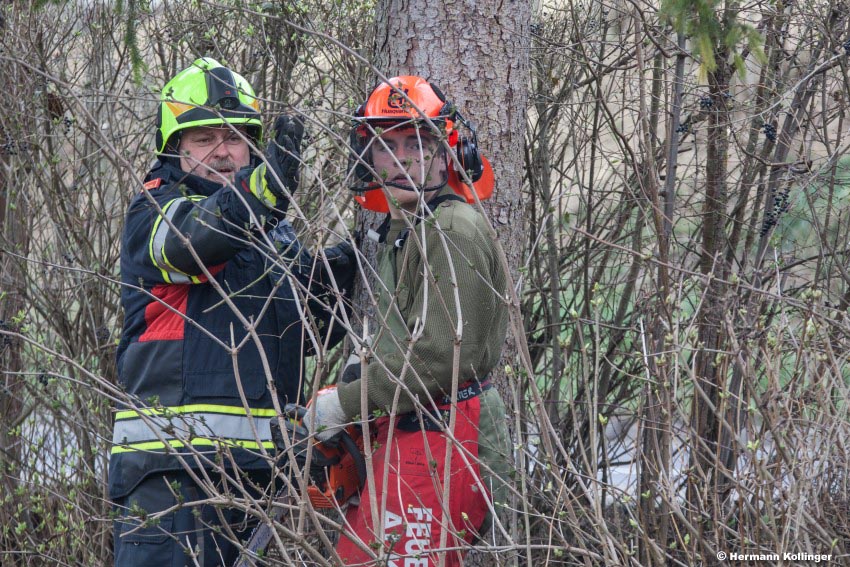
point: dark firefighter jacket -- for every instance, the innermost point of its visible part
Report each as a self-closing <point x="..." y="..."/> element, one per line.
<point x="187" y="394"/>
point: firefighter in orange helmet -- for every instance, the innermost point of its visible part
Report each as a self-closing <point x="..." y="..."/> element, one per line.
<point x="441" y="430"/>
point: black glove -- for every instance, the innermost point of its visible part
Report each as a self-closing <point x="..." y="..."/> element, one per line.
<point x="352" y="370"/>
<point x="284" y="152"/>
<point x="283" y="156"/>
<point x="341" y="256"/>
<point x="343" y="262"/>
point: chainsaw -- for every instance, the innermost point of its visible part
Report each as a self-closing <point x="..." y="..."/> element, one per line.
<point x="337" y="472"/>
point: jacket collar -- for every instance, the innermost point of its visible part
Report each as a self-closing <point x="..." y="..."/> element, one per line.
<point x="443" y="195"/>
<point x="171" y="173"/>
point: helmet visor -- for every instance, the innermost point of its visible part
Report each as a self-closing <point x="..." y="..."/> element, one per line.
<point x="405" y="155"/>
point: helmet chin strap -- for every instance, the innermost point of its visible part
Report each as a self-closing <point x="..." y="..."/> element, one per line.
<point x="414" y="189"/>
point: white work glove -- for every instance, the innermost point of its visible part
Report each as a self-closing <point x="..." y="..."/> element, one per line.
<point x="329" y="416"/>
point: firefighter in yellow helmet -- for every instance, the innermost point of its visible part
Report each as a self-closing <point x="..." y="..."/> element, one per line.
<point x="196" y="274"/>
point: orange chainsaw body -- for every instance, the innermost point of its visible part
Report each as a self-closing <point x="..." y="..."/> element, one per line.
<point x="341" y="480"/>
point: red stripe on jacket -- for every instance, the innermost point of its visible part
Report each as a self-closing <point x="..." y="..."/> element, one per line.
<point x="164" y="324"/>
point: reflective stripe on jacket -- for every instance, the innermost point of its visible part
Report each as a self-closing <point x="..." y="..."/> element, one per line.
<point x="199" y="425"/>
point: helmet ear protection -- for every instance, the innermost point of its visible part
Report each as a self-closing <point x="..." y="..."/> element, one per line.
<point x="357" y="143"/>
<point x="173" y="140"/>
<point x="466" y="148"/>
<point x="467" y="151"/>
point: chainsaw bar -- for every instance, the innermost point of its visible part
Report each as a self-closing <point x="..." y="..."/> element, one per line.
<point x="263" y="534"/>
<point x="337" y="473"/>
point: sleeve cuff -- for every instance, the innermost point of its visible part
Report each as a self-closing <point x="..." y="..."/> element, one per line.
<point x="349" y="398"/>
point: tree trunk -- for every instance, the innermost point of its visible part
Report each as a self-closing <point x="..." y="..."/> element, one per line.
<point x="14" y="239"/>
<point x="710" y="368"/>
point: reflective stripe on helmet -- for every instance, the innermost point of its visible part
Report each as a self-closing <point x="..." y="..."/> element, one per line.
<point x="192" y="425"/>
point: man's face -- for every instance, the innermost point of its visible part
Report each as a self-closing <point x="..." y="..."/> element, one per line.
<point x="214" y="152"/>
<point x="410" y="158"/>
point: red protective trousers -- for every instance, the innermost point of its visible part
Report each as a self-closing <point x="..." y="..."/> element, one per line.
<point x="413" y="519"/>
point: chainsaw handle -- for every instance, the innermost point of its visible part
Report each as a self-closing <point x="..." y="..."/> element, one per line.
<point x="295" y="411"/>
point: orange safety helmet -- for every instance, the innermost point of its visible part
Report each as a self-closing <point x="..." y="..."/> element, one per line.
<point x="412" y="100"/>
